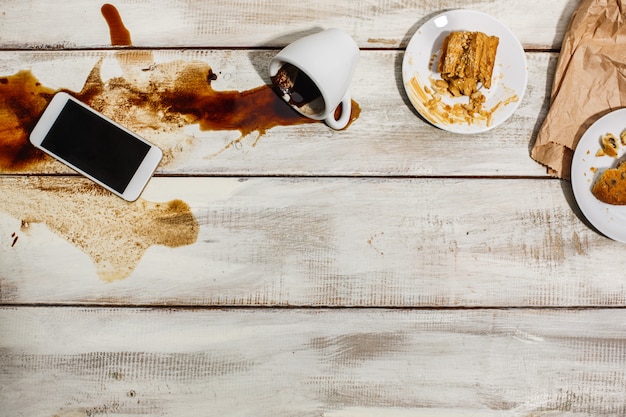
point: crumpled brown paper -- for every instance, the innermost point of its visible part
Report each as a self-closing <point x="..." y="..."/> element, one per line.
<point x="590" y="81"/>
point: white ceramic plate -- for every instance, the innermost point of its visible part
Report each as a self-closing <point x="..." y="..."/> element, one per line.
<point x="509" y="79"/>
<point x="609" y="219"/>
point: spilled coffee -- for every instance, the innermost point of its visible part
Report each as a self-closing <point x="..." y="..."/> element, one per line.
<point x="298" y="90"/>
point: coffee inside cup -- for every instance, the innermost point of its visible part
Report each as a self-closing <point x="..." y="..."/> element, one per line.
<point x="298" y="90"/>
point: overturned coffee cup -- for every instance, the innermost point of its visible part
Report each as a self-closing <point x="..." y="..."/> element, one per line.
<point x="313" y="75"/>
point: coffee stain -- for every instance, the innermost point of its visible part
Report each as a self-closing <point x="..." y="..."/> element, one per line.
<point x="158" y="100"/>
<point x="155" y="100"/>
<point x="22" y="100"/>
<point x="120" y="36"/>
<point x="114" y="233"/>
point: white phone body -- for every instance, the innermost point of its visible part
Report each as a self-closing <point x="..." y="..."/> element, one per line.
<point x="95" y="146"/>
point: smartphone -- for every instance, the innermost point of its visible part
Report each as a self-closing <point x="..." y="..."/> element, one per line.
<point x="95" y="146"/>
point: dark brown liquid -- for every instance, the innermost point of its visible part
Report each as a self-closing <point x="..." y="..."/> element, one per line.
<point x="298" y="89"/>
<point x="258" y="109"/>
<point x="120" y="36"/>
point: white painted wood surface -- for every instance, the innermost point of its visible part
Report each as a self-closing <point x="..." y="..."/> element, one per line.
<point x="245" y="23"/>
<point x="364" y="362"/>
<point x="390" y="269"/>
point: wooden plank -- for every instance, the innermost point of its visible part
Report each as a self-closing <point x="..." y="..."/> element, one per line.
<point x="91" y="362"/>
<point x="379" y="24"/>
<point x="304" y="241"/>
<point x="387" y="138"/>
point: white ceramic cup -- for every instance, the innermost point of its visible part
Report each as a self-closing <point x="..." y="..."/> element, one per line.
<point x="328" y="58"/>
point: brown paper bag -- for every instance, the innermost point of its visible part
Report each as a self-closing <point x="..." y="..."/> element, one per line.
<point x="590" y="81"/>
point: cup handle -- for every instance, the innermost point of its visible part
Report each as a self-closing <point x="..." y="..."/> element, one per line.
<point x="346" y="112"/>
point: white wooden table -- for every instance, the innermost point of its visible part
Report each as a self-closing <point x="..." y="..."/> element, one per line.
<point x="390" y="269"/>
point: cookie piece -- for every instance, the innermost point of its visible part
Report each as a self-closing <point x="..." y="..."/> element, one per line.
<point x="610" y="187"/>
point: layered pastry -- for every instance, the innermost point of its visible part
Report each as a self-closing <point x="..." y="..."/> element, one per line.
<point x="467" y="59"/>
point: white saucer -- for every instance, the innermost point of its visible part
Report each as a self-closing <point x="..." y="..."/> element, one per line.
<point x="510" y="73"/>
<point x="609" y="219"/>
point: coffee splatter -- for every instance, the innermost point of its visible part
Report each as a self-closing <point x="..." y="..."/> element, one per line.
<point x="176" y="94"/>
<point x="120" y="36"/>
<point x="113" y="232"/>
<point x="156" y="104"/>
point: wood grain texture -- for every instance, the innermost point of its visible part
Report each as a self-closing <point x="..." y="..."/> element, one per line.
<point x="388" y="138"/>
<point x="390" y="269"/>
<point x="309" y="242"/>
<point x="131" y="362"/>
<point x="275" y="23"/>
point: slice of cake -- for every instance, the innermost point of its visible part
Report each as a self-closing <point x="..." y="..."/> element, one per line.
<point x="467" y="58"/>
<point x="610" y="187"/>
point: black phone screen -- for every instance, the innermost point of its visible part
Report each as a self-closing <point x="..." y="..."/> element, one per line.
<point x="95" y="146"/>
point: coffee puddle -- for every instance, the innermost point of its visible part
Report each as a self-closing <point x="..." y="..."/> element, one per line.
<point x="156" y="101"/>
